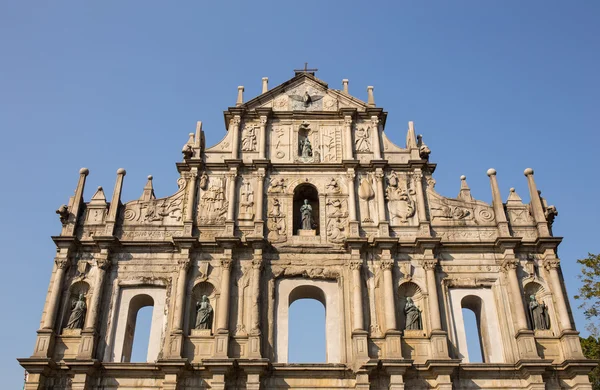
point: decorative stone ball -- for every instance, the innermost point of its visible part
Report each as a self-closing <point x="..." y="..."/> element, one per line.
<point x="149" y="177"/>
<point x="528" y="172"/>
<point x="491" y="172"/>
<point x="463" y="177"/>
<point x="84" y="171"/>
<point x="121" y="171"/>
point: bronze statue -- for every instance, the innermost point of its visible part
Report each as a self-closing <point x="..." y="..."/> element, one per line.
<point x="204" y="313"/>
<point x="77" y="317"/>
<point x="306" y="213"/>
<point x="412" y="315"/>
<point x="538" y="312"/>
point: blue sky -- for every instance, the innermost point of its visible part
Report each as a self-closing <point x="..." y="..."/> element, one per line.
<point x="116" y="84"/>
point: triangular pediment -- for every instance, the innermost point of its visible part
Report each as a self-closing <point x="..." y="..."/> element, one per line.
<point x="305" y="92"/>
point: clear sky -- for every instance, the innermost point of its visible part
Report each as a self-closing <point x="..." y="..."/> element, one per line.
<point x="110" y="84"/>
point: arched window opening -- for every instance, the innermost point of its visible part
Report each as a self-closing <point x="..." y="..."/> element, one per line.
<point x="307" y="343"/>
<point x="306" y="195"/>
<point x="140" y="332"/>
<point x="473" y="336"/>
<point x="476" y="331"/>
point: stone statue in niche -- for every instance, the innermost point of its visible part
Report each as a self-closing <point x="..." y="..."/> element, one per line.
<point x="413" y="316"/>
<point x="362" y="142"/>
<point x="77" y="317"/>
<point x="400" y="204"/>
<point x="306" y="214"/>
<point x="276" y="225"/>
<point x="366" y="193"/>
<point x="539" y="314"/>
<point x="204" y="314"/>
<point x="305" y="147"/>
<point x="249" y="139"/>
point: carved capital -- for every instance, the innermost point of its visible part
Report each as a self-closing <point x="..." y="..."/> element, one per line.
<point x="62" y="262"/>
<point x="231" y="175"/>
<point x="350" y="176"/>
<point x="355" y="265"/>
<point x="551" y="264"/>
<point x="260" y="175"/>
<point x="379" y="175"/>
<point x="183" y="263"/>
<point x="387" y="264"/>
<point x="430" y="264"/>
<point x="374" y="121"/>
<point x="263" y="120"/>
<point x="235" y="121"/>
<point x="257" y="264"/>
<point x="509" y="264"/>
<point x="226" y="264"/>
<point x="418" y="176"/>
<point x="348" y="120"/>
<point x="103" y="263"/>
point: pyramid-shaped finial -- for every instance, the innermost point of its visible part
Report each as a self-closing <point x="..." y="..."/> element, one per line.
<point x="148" y="193"/>
<point x="514" y="198"/>
<point x="465" y="191"/>
<point x="99" y="197"/>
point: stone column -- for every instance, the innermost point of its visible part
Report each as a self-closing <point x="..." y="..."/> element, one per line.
<point x="254" y="338"/>
<point x="551" y="266"/>
<point x="388" y="294"/>
<point x="183" y="265"/>
<point x="536" y="205"/>
<point x="191" y="197"/>
<point x="222" y="336"/>
<point x="376" y="142"/>
<point x="260" y="193"/>
<point x="348" y="150"/>
<point x="62" y="263"/>
<point x="434" y="305"/>
<point x="231" y="193"/>
<point x="263" y="138"/>
<point x="510" y="267"/>
<point x="234" y="127"/>
<point x="380" y="195"/>
<point x="501" y="221"/>
<point x="357" y="319"/>
<point x="352" y="218"/>
<point x="87" y="345"/>
<point x="424" y="225"/>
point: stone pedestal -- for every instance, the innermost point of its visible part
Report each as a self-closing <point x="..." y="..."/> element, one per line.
<point x="439" y="344"/>
<point x="44" y="344"/>
<point x="307" y="233"/>
<point x="175" y="345"/>
<point x="571" y="346"/>
<point x="360" y="346"/>
<point x="221" y="344"/>
<point x="393" y="347"/>
<point x="526" y="345"/>
<point x="86" y="345"/>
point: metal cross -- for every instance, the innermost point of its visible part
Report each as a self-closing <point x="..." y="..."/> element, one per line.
<point x="305" y="70"/>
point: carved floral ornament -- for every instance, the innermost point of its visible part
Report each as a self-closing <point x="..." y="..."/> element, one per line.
<point x="226" y="264"/>
<point x="103" y="262"/>
<point x="184" y="263"/>
<point x="62" y="262"/>
<point x="387" y="264"/>
<point x="551" y="264"/>
<point x="430" y="264"/>
<point x="508" y="264"/>
<point x="355" y="265"/>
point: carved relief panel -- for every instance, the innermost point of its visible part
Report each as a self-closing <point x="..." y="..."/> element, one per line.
<point x="157" y="212"/>
<point x="401" y="199"/>
<point x="212" y="201"/>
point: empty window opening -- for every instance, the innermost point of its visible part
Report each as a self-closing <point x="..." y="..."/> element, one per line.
<point x="137" y="332"/>
<point x="473" y="336"/>
<point x="307" y="342"/>
<point x="306" y="195"/>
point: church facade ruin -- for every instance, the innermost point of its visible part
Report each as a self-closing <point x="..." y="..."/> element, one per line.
<point x="305" y="197"/>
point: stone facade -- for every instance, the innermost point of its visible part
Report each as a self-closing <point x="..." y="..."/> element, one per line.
<point x="228" y="246"/>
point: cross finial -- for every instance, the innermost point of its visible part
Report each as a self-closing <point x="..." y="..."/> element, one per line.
<point x="305" y="70"/>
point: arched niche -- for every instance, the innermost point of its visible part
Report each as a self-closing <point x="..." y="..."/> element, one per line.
<point x="413" y="291"/>
<point x="132" y="299"/>
<point x="200" y="289"/>
<point x="324" y="291"/>
<point x="541" y="295"/>
<point x="302" y="192"/>
<point x="71" y="297"/>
